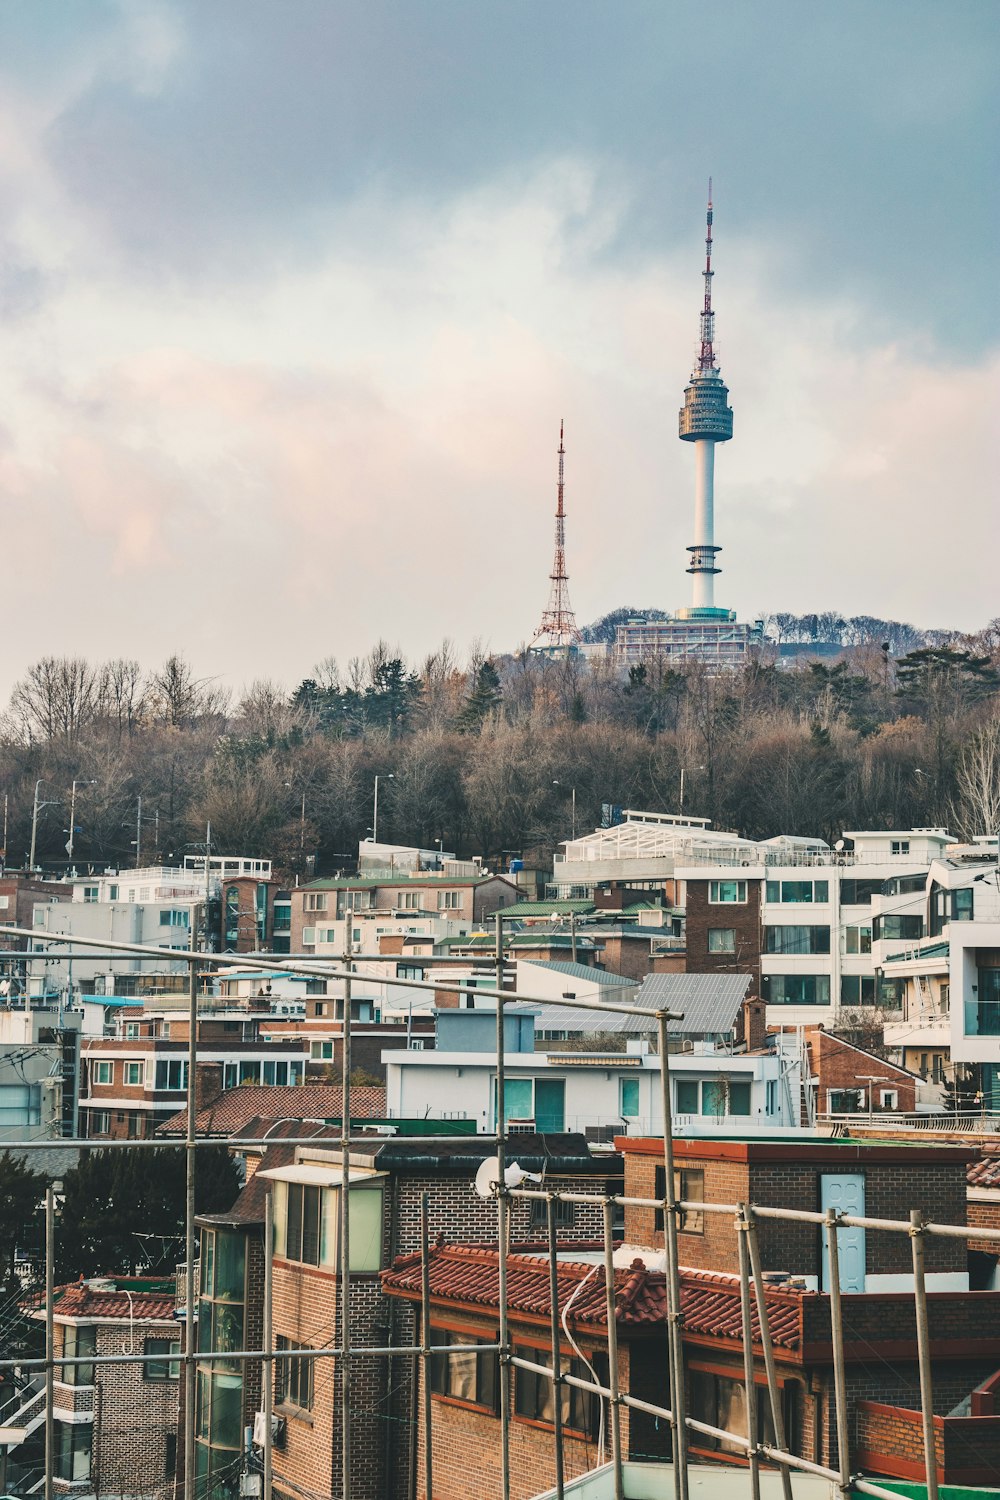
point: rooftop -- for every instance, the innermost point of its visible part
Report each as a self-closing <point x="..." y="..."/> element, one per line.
<point x="230" y="1112"/>
<point x="128" y="1298"/>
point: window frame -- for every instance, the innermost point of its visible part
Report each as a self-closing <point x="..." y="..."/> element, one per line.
<point x="687" y="1188"/>
<point x="136" y="1068"/>
<point x="104" y="1072"/>
<point x="485" y="1400"/>
<point x="716" y="898"/>
<point x="294" y="1378"/>
<point x="727" y="949"/>
<point x="581" y="1413"/>
<point x="169" y="1365"/>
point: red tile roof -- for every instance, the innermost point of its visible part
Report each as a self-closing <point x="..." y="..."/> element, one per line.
<point x="232" y="1110"/>
<point x="80" y="1300"/>
<point x="985" y="1173"/>
<point x="710" y="1301"/>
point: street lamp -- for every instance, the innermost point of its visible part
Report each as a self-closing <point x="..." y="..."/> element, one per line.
<point x="72" y="815"/>
<point x="684" y="770"/>
<point x="573" y="801"/>
<point x="389" y="777"/>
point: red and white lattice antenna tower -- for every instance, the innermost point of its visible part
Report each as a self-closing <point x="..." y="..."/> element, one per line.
<point x="558" y="629"/>
<point x="706" y="356"/>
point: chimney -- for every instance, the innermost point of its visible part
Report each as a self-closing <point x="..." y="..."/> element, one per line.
<point x="207" y="1083"/>
<point x="753" y="1023"/>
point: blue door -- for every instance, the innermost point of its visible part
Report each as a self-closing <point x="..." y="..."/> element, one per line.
<point x="845" y="1191"/>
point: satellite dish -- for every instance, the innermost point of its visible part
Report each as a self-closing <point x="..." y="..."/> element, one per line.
<point x="488" y="1176"/>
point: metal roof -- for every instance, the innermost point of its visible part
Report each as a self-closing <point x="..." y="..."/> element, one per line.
<point x="710" y="1003"/>
<point x="582" y="971"/>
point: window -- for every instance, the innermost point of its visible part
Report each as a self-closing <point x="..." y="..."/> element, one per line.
<point x="771" y="1107"/>
<point x="689" y="1187"/>
<point x="796" y="939"/>
<point x="131" y="1031"/>
<point x="308" y="937"/>
<point x="858" y="940"/>
<point x="721" y="1401"/>
<point x="173" y="918"/>
<point x="859" y="892"/>
<point x="888" y="1099"/>
<point x="293" y="1376"/>
<point x="135" y="1073"/>
<point x="796" y="989"/>
<point x="171" y="1074"/>
<point x="564" y="1215"/>
<point x="899" y="846"/>
<point x="449" y="900"/>
<point x="857" y="989"/>
<point x="469" y="1376"/>
<point x="314" y="901"/>
<point x="103" y="1072"/>
<point x="409" y="900"/>
<point x="722" y="892"/>
<point x="797" y="890"/>
<point x="894" y="926"/>
<point x="112" y="893"/>
<point x="321" y="1051"/>
<point x="91" y="893"/>
<point x="890" y="993"/>
<point x="628" y="1098"/>
<point x="534" y="1394"/>
<point x="79" y="1341"/>
<point x="170" y="1456"/>
<point x="100" y="1122"/>
<point x="72" y="1445"/>
<point x="316" y="986"/>
<point x="722" y="940"/>
<point x="167" y="1365"/>
<point x="962" y="904"/>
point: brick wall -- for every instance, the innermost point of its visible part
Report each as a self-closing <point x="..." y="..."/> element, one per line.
<point x="133" y="1416"/>
<point x="743" y="918"/>
<point x="841" y="1066"/>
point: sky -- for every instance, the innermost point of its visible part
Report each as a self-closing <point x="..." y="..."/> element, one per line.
<point x="293" y="298"/>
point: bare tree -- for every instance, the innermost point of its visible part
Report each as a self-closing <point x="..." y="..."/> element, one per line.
<point x="179" y="698"/>
<point x="55" y="698"/>
<point x="121" y="695"/>
<point x="977" y="809"/>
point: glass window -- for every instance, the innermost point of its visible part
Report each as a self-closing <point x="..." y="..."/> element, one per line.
<point x="134" y="1073"/>
<point x="534" y="1394"/>
<point x="962" y="904"/>
<point x="857" y="989"/>
<point x="859" y="892"/>
<point x="721" y="892"/>
<point x="112" y="893"/>
<point x="468" y="1376"/>
<point x="722" y="940"/>
<point x="72" y="1450"/>
<point x="628" y="1098"/>
<point x="899" y="846"/>
<point x="720" y="1401"/>
<point x="79" y="1340"/>
<point x="796" y="939"/>
<point x="102" y="1072"/>
<point x="858" y="940"/>
<point x="293" y="1377"/>
<point x="167" y="1365"/>
<point x="689" y="1187"/>
<point x="90" y="894"/>
<point x="686" y="1092"/>
<point x="796" y="989"/>
<point x="894" y="925"/>
<point x="171" y="1074"/>
<point x="739" y="1096"/>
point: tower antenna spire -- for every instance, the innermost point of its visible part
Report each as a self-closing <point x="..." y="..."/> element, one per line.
<point x="706" y="418"/>
<point x="558" y="632"/>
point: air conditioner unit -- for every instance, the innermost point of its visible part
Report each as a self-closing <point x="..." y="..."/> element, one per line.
<point x="277" y="1429"/>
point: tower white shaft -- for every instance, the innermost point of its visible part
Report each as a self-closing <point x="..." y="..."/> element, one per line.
<point x="704" y="520"/>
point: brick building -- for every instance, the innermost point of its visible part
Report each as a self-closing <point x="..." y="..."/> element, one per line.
<point x="386" y="1184"/>
<point x="849" y="1079"/>
<point x="466" y="898"/>
<point x="880" y="1333"/>
<point x="115" y="1425"/>
<point x="722" y="927"/>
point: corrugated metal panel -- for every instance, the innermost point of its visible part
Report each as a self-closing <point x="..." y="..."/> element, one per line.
<point x="710" y="1003"/>
<point x="583" y="971"/>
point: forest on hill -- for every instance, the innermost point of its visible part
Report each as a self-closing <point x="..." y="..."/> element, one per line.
<point x="486" y="754"/>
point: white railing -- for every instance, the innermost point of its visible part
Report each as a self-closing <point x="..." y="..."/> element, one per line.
<point x="965" y="1123"/>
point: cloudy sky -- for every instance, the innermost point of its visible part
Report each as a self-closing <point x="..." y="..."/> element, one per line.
<point x="294" y="295"/>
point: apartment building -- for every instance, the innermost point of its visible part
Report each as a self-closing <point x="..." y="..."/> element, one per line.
<point x="460" y="892"/>
<point x="387" y="1182"/>
<point x="814" y="924"/>
<point x="880" y="1335"/>
<point x="135" y="1080"/>
<point x="947" y="983"/>
<point x="610" y="1087"/>
<point x="115" y="1424"/>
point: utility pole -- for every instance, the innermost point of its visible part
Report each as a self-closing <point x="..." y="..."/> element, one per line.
<point x="35" y="810"/>
<point x="72" y="816"/>
<point x="389" y="777"/>
<point x="138" y="830"/>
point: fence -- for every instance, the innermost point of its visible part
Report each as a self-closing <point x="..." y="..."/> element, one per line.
<point x="683" y="1426"/>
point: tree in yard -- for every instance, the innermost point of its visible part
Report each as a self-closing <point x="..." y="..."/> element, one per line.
<point x="124" y="1211"/>
<point x="21" y="1193"/>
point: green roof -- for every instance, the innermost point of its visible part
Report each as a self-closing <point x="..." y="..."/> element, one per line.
<point x="548" y="908"/>
<point x="916" y="955"/>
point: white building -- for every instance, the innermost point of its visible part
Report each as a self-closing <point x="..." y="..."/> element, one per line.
<point x="608" y="1092"/>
